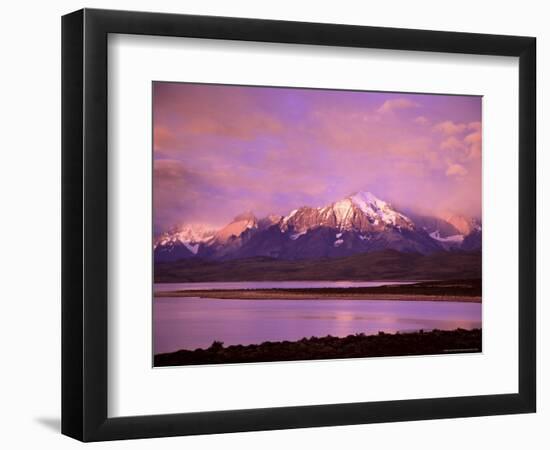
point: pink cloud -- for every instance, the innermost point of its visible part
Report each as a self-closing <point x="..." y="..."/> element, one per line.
<point x="449" y="127"/>
<point x="396" y="104"/>
<point x="473" y="141"/>
<point x="464" y="148"/>
<point x="220" y="150"/>
<point x="185" y="111"/>
<point x="452" y="143"/>
<point x="162" y="137"/>
<point x="421" y="120"/>
<point x="456" y="170"/>
<point x="240" y="126"/>
<point x="476" y="126"/>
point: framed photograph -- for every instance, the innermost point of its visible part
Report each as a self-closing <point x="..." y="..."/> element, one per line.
<point x="273" y="224"/>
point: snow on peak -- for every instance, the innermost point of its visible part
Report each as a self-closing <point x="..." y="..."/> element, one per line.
<point x="297" y="235"/>
<point x="457" y="238"/>
<point x="290" y="216"/>
<point x="342" y="209"/>
<point x="378" y="209"/>
<point x="190" y="235"/>
<point x="367" y="197"/>
<point x="360" y="211"/>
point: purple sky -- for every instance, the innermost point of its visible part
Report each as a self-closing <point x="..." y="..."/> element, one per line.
<point x="222" y="150"/>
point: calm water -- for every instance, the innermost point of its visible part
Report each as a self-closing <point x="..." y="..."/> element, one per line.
<point x="190" y="323"/>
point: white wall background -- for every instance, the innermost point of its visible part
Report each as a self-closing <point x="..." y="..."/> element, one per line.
<point x="30" y="225"/>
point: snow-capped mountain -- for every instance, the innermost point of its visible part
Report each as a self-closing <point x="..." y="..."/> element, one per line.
<point x="361" y="211"/>
<point x="182" y="242"/>
<point x="465" y="225"/>
<point x="186" y="234"/>
<point x="237" y="227"/>
<point x="360" y="223"/>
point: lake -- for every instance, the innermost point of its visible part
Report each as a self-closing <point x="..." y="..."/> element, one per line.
<point x="191" y="322"/>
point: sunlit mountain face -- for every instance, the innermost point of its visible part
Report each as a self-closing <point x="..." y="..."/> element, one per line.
<point x="359" y="223"/>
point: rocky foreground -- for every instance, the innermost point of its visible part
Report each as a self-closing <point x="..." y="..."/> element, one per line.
<point x="353" y="346"/>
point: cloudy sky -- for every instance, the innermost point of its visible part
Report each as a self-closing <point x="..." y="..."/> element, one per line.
<point x="222" y="150"/>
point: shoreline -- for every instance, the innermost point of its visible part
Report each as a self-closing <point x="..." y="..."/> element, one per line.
<point x="399" y="281"/>
<point x="249" y="294"/>
<point x="441" y="291"/>
<point x="435" y="342"/>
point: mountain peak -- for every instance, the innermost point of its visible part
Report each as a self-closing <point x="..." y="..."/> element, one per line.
<point x="464" y="224"/>
<point x="363" y="199"/>
<point x="379" y="210"/>
<point x="358" y="223"/>
<point x="240" y="224"/>
<point x="189" y="235"/>
<point x="361" y="211"/>
<point x="247" y="216"/>
<point x="366" y="196"/>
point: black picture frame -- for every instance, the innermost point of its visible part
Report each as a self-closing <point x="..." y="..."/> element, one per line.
<point x="84" y="224"/>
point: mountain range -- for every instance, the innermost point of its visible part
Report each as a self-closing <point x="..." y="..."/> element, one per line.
<point x="360" y="223"/>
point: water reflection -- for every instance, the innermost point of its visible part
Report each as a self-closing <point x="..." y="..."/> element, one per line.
<point x="192" y="323"/>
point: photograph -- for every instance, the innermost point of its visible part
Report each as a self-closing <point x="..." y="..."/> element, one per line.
<point x="267" y="225"/>
<point x="303" y="224"/>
